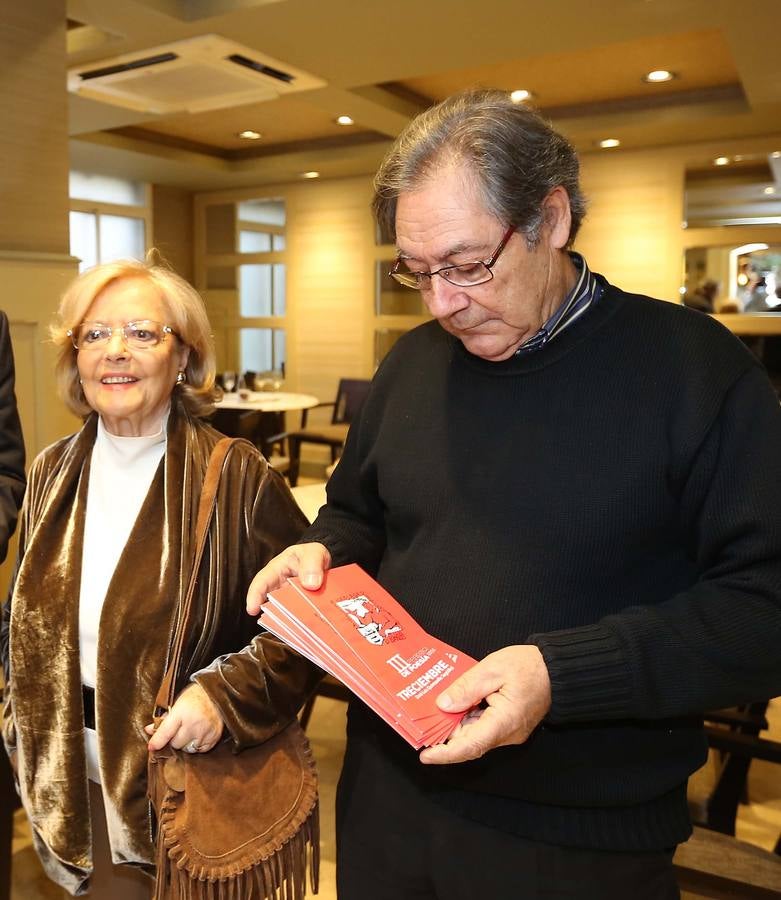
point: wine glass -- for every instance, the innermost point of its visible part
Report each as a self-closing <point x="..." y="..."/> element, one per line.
<point x="229" y="382"/>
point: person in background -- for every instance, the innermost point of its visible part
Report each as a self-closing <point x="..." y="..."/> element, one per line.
<point x="578" y="486"/>
<point x="704" y="297"/>
<point x="757" y="296"/>
<point x="12" y="477"/>
<point x="104" y="556"/>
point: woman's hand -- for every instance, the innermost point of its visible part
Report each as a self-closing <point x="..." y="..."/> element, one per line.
<point x="193" y="723"/>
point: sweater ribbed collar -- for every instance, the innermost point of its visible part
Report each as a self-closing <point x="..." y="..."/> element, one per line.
<point x="579" y="329"/>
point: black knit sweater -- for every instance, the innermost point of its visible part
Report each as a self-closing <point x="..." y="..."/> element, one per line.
<point x="615" y="499"/>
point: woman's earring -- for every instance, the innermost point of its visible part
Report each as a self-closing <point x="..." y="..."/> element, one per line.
<point x="181" y="377"/>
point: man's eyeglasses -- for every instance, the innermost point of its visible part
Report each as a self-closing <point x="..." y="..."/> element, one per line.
<point x="464" y="275"/>
<point x="141" y="335"/>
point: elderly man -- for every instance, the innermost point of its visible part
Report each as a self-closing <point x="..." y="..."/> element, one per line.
<point x="578" y="486"/>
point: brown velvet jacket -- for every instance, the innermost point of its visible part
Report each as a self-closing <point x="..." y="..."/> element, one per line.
<point x="257" y="689"/>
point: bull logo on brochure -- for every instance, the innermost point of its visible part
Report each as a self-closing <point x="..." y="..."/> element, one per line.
<point x="370" y="620"/>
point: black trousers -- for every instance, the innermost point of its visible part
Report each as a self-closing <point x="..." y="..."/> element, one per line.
<point x="394" y="842"/>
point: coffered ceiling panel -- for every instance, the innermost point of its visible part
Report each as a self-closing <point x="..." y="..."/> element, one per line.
<point x="590" y="74"/>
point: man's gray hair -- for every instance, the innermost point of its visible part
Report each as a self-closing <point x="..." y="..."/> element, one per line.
<point x="515" y="155"/>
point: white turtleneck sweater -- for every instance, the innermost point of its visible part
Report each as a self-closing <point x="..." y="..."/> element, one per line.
<point x="121" y="472"/>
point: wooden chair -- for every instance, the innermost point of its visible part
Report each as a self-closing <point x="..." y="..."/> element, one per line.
<point x="719" y="866"/>
<point x="349" y="398"/>
<point x="264" y="429"/>
<point x="716" y="791"/>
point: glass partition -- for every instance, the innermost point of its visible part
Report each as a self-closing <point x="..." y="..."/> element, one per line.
<point x="262" y="350"/>
<point x="262" y="290"/>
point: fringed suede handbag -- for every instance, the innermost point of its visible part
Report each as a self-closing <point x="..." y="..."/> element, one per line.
<point x="231" y="826"/>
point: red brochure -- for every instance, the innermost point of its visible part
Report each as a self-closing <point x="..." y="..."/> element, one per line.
<point x="355" y="630"/>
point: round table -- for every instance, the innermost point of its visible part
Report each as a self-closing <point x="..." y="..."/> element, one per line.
<point x="267" y="401"/>
<point x="259" y="416"/>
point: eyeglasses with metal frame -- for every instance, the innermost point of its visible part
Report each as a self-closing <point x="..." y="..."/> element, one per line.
<point x="464" y="275"/>
<point x="141" y="335"/>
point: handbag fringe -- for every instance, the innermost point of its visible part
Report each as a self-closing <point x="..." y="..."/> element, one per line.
<point x="280" y="876"/>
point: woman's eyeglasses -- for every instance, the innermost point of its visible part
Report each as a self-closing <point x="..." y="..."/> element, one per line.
<point x="141" y="335"/>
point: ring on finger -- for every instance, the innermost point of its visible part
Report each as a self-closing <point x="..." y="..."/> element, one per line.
<point x="192" y="747"/>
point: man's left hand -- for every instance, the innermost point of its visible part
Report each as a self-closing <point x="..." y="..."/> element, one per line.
<point x="514" y="685"/>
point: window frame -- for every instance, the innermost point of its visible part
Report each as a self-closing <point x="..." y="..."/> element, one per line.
<point x="100" y="208"/>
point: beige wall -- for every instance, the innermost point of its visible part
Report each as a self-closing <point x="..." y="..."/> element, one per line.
<point x="330" y="282"/>
<point x="632" y="232"/>
<point x="31" y="289"/>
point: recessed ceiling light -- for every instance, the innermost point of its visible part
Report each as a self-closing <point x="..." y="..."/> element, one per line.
<point x="658" y="76"/>
<point x="520" y="96"/>
<point x="776" y="154"/>
<point x="249" y="135"/>
<point x="609" y="143"/>
<point x="345" y="120"/>
<point x="769" y="190"/>
<point x="310" y="174"/>
<point x="721" y="161"/>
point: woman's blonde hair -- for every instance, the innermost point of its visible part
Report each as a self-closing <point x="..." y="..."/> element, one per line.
<point x="186" y="316"/>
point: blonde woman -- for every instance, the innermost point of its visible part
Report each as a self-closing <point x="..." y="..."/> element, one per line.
<point x="105" y="543"/>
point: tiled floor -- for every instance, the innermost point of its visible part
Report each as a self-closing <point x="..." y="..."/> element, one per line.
<point x="759" y="821"/>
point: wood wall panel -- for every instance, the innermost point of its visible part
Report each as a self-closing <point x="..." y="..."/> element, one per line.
<point x="632" y="232"/>
<point x="172" y="228"/>
<point x="330" y="283"/>
<point x="31" y="292"/>
<point x="34" y="133"/>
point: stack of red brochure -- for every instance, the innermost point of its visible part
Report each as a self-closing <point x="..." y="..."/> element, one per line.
<point x="356" y="631"/>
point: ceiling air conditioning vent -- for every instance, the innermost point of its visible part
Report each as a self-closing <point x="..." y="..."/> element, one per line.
<point x="260" y="67"/>
<point x="126" y="67"/>
<point x="194" y="75"/>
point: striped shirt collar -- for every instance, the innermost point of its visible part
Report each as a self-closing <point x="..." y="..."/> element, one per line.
<point x="585" y="292"/>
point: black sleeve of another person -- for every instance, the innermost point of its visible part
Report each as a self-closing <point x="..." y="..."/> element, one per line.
<point x="12" y="478"/>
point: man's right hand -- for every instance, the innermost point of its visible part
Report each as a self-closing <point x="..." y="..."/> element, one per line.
<point x="308" y="561"/>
